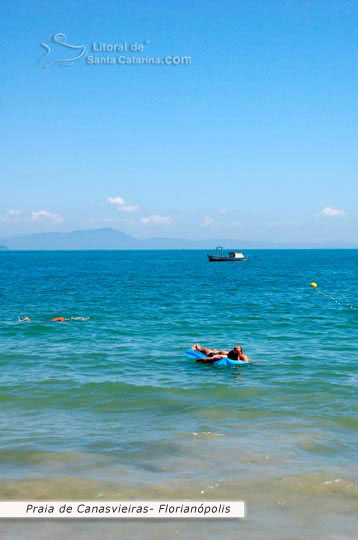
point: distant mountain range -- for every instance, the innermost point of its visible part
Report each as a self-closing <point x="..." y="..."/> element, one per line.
<point x="108" y="239"/>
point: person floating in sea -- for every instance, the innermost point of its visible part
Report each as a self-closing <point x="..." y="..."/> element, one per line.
<point x="213" y="355"/>
<point x="54" y="319"/>
<point x="237" y="353"/>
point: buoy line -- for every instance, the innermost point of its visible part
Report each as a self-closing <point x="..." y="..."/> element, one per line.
<point x="314" y="285"/>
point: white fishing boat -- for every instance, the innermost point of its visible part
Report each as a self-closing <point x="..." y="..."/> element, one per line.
<point x="232" y="256"/>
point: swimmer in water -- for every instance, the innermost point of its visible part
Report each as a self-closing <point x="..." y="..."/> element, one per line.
<point x="65" y="319"/>
<point x="24" y="319"/>
<point x="207" y="351"/>
<point x="213" y="355"/>
<point x="237" y="353"/>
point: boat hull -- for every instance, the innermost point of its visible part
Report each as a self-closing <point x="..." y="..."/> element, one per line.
<point x="217" y="258"/>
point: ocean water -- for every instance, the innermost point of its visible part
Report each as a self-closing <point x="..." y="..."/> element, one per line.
<point x="107" y="406"/>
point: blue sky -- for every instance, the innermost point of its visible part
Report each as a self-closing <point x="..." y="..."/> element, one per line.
<point x="255" y="139"/>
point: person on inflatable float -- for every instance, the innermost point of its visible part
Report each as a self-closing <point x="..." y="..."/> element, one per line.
<point x="213" y="354"/>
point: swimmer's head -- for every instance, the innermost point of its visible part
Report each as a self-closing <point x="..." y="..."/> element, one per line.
<point x="234" y="354"/>
<point x="26" y="319"/>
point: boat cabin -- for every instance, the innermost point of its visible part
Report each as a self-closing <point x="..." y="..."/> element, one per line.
<point x="236" y="255"/>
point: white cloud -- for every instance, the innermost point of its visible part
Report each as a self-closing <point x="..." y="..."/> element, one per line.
<point x="44" y="215"/>
<point x="12" y="216"/>
<point x="222" y="211"/>
<point x="129" y="208"/>
<point x="157" y="219"/>
<point x="118" y="201"/>
<point x="122" y="205"/>
<point x="330" y="211"/>
<point x="19" y="216"/>
<point x="236" y="224"/>
<point x="207" y="221"/>
<point x="15" y="213"/>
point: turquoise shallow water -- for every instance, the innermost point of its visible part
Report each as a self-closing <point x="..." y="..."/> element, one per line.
<point x="107" y="406"/>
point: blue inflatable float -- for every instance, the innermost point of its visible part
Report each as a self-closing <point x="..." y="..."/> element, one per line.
<point x="225" y="362"/>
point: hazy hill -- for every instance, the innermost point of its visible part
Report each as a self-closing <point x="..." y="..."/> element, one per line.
<point x="107" y="238"/>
